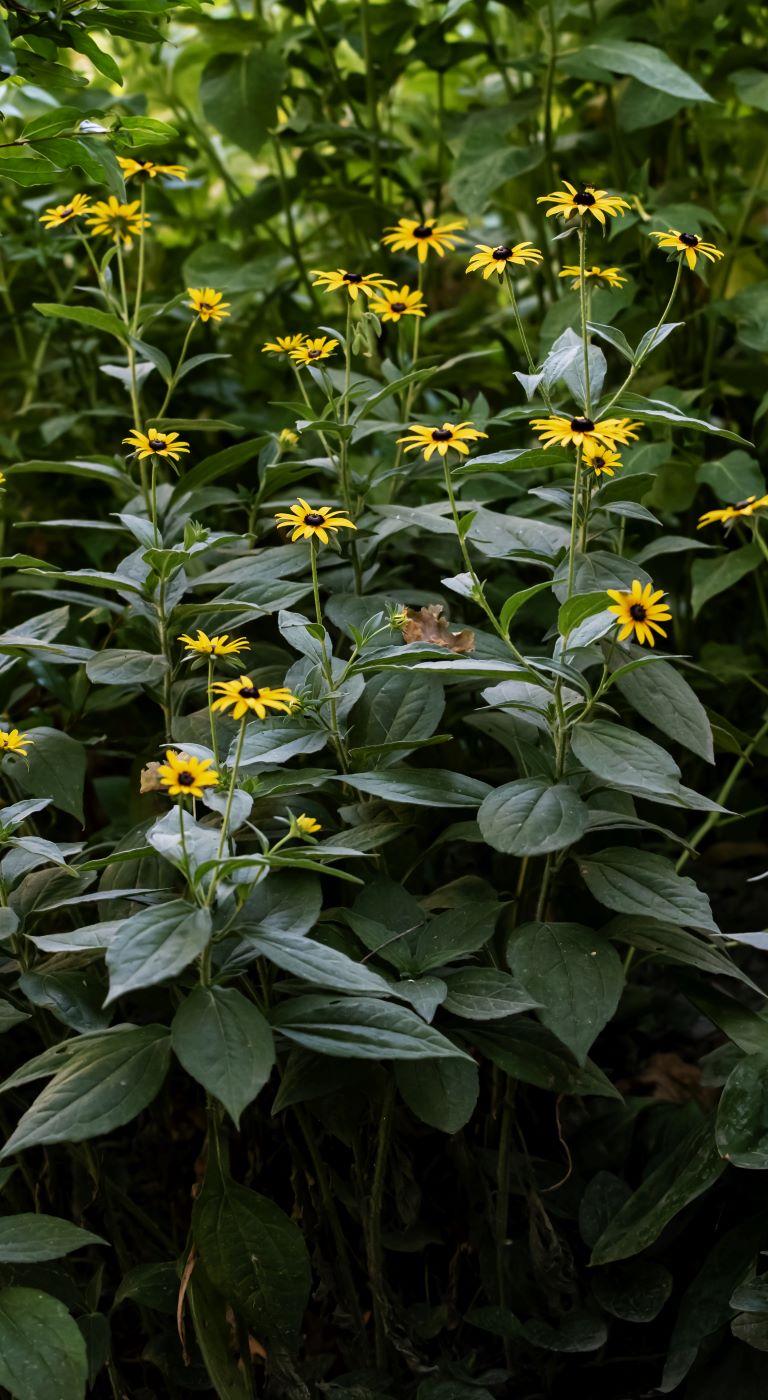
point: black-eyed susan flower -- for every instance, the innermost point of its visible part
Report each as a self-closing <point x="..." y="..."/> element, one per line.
<point x="455" y="435"/>
<point x="728" y="514"/>
<point x="640" y="612"/>
<point x="207" y="304"/>
<point x="13" y="741"/>
<point x="583" y="201"/>
<point x="242" y="695"/>
<point x="149" y="169"/>
<point x="422" y="235"/>
<point x="312" y="350"/>
<point x="352" y="282"/>
<point x="155" y="443"/>
<point x="492" y="260"/>
<point x="594" y="276"/>
<point x="305" y="521"/>
<point x="221" y="645"/>
<point x="580" y="430"/>
<point x="287" y="438"/>
<point x="688" y="243"/>
<point x="118" y="221"/>
<point x="184" y="776"/>
<point x="62" y="213"/>
<point x="603" y="461"/>
<point x="305" y="826"/>
<point x="390" y="303"/>
<point x="283" y="344"/>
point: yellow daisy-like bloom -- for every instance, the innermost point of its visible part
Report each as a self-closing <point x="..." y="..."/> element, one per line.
<point x="215" y="646"/>
<point x="207" y="304"/>
<point x="242" y="695"/>
<point x="2" y="478"/>
<point x="148" y="169"/>
<point x="729" y="513"/>
<point x="311" y="350"/>
<point x="640" y="612"/>
<point x="287" y="437"/>
<point x="283" y="345"/>
<point x="156" y="443"/>
<point x="62" y="213"/>
<point x="455" y="435"/>
<point x="119" y="221"/>
<point x="185" y="776"/>
<point x="688" y="243"/>
<point x="600" y="276"/>
<point x="390" y="304"/>
<point x="352" y="282"/>
<point x="306" y="520"/>
<point x="410" y="233"/>
<point x="587" y="200"/>
<point x="603" y="461"/>
<point x="498" y="259"/>
<point x="306" y="825"/>
<point x="12" y="741"/>
<point x="580" y="431"/>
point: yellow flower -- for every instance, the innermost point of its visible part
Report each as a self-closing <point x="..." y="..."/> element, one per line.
<point x="390" y="304"/>
<point x="410" y="233"/>
<point x="587" y="200"/>
<point x="306" y="826"/>
<point x="243" y="696"/>
<point x="498" y="259"/>
<point x="284" y="344"/>
<point x="312" y="350"/>
<point x="601" y="276"/>
<point x="62" y="213"/>
<point x="287" y="437"/>
<point x="215" y="646"/>
<point x="580" y="431"/>
<point x="306" y="520"/>
<point x="352" y="282"/>
<point x="156" y="443"/>
<point x="729" y="513"/>
<point x="207" y="303"/>
<point x="455" y="435"/>
<point x="640" y="612"/>
<point x="119" y="221"/>
<point x="147" y="169"/>
<point x="2" y="478"/>
<point x="688" y="243"/>
<point x="11" y="741"/>
<point x="603" y="461"/>
<point x="185" y="776"/>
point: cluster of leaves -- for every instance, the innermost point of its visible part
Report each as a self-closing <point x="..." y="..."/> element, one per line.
<point x="456" y="1090"/>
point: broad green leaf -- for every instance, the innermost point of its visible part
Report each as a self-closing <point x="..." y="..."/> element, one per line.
<point x="713" y="576"/>
<point x="115" y="667"/>
<point x="751" y="84"/>
<point x="656" y="410"/>
<point x="42" y="1351"/>
<point x="531" y="816"/>
<point x="485" y="994"/>
<point x="421" y="787"/>
<point x="637" y="882"/>
<point x="518" y="600"/>
<point x="673" y="944"/>
<point x="360" y="1028"/>
<point x="450" y="935"/>
<point x="623" y="758"/>
<point x="316" y="963"/>
<point x="660" y="694"/>
<point x="578" y="609"/>
<point x="239" y="94"/>
<point x="224" y="1042"/>
<point x="573" y="974"/>
<point x="442" y="1093"/>
<point x="528" y="1051"/>
<point x="733" y="477"/>
<point x="212" y="1321"/>
<point x="85" y="316"/>
<point x="397" y="707"/>
<point x="742" y="1116"/>
<point x="54" y="769"/>
<point x="107" y="1078"/>
<point x="155" y="944"/>
<point x="27" y="1239"/>
<point x="275" y="741"/>
<point x="744" y="1027"/>
<point x="219" y="464"/>
<point x="646" y="64"/>
<point x="634" y="1291"/>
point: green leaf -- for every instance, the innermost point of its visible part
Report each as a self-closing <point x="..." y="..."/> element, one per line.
<point x="528" y="1051"/>
<point x="360" y="1028"/>
<point x="485" y="994"/>
<point x="714" y="576"/>
<point x="275" y="741"/>
<point x="685" y="1173"/>
<point x="574" y="975"/>
<point x="646" y="64"/>
<point x="751" y="84"/>
<point x="742" y="1116"/>
<point x="85" y="316"/>
<point x="239" y="95"/>
<point x="442" y="1093"/>
<point x="55" y="768"/>
<point x="744" y="1027"/>
<point x="673" y="944"/>
<point x="155" y="944"/>
<point x="115" y="667"/>
<point x="219" y="464"/>
<point x="656" y="410"/>
<point x="42" y="1351"/>
<point x="518" y="600"/>
<point x="224" y="1042"/>
<point x="635" y="1292"/>
<point x="27" y="1239"/>
<point x="213" y="1333"/>
<point x="660" y="694"/>
<point x="531" y="816"/>
<point x="623" y="758"/>
<point x="733" y="477"/>
<point x="107" y="1078"/>
<point x="316" y="963"/>
<point x="421" y="787"/>
<point x="397" y="707"/>
<point x="637" y="882"/>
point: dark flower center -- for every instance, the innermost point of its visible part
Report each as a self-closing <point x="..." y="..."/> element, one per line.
<point x="422" y="231"/>
<point x="205" y="306"/>
<point x="353" y="277"/>
<point x="156" y="444"/>
<point x="398" y="306"/>
<point x="689" y="239"/>
<point x="582" y="425"/>
<point x="314" y="518"/>
<point x="584" y="199"/>
<point x="637" y="612"/>
<point x="313" y="354"/>
<point x="598" y="463"/>
<point x="250" y="692"/>
<point x="501" y="254"/>
<point x="67" y="211"/>
<point x="441" y="434"/>
<point x="185" y="779"/>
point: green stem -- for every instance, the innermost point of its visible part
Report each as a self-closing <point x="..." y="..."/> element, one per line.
<point x="211" y="717"/>
<point x="638" y="362"/>
<point x="722" y="797"/>
<point x="175" y="376"/>
<point x="376" y="1200"/>
<point x="344" y="447"/>
<point x="584" y="315"/>
<point x="521" y="332"/>
<point x="153" y="496"/>
<point x="574" y="523"/>
<point x="228" y="809"/>
<point x="167" y="702"/>
<point x="140" y="272"/>
<point x="315" y="582"/>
